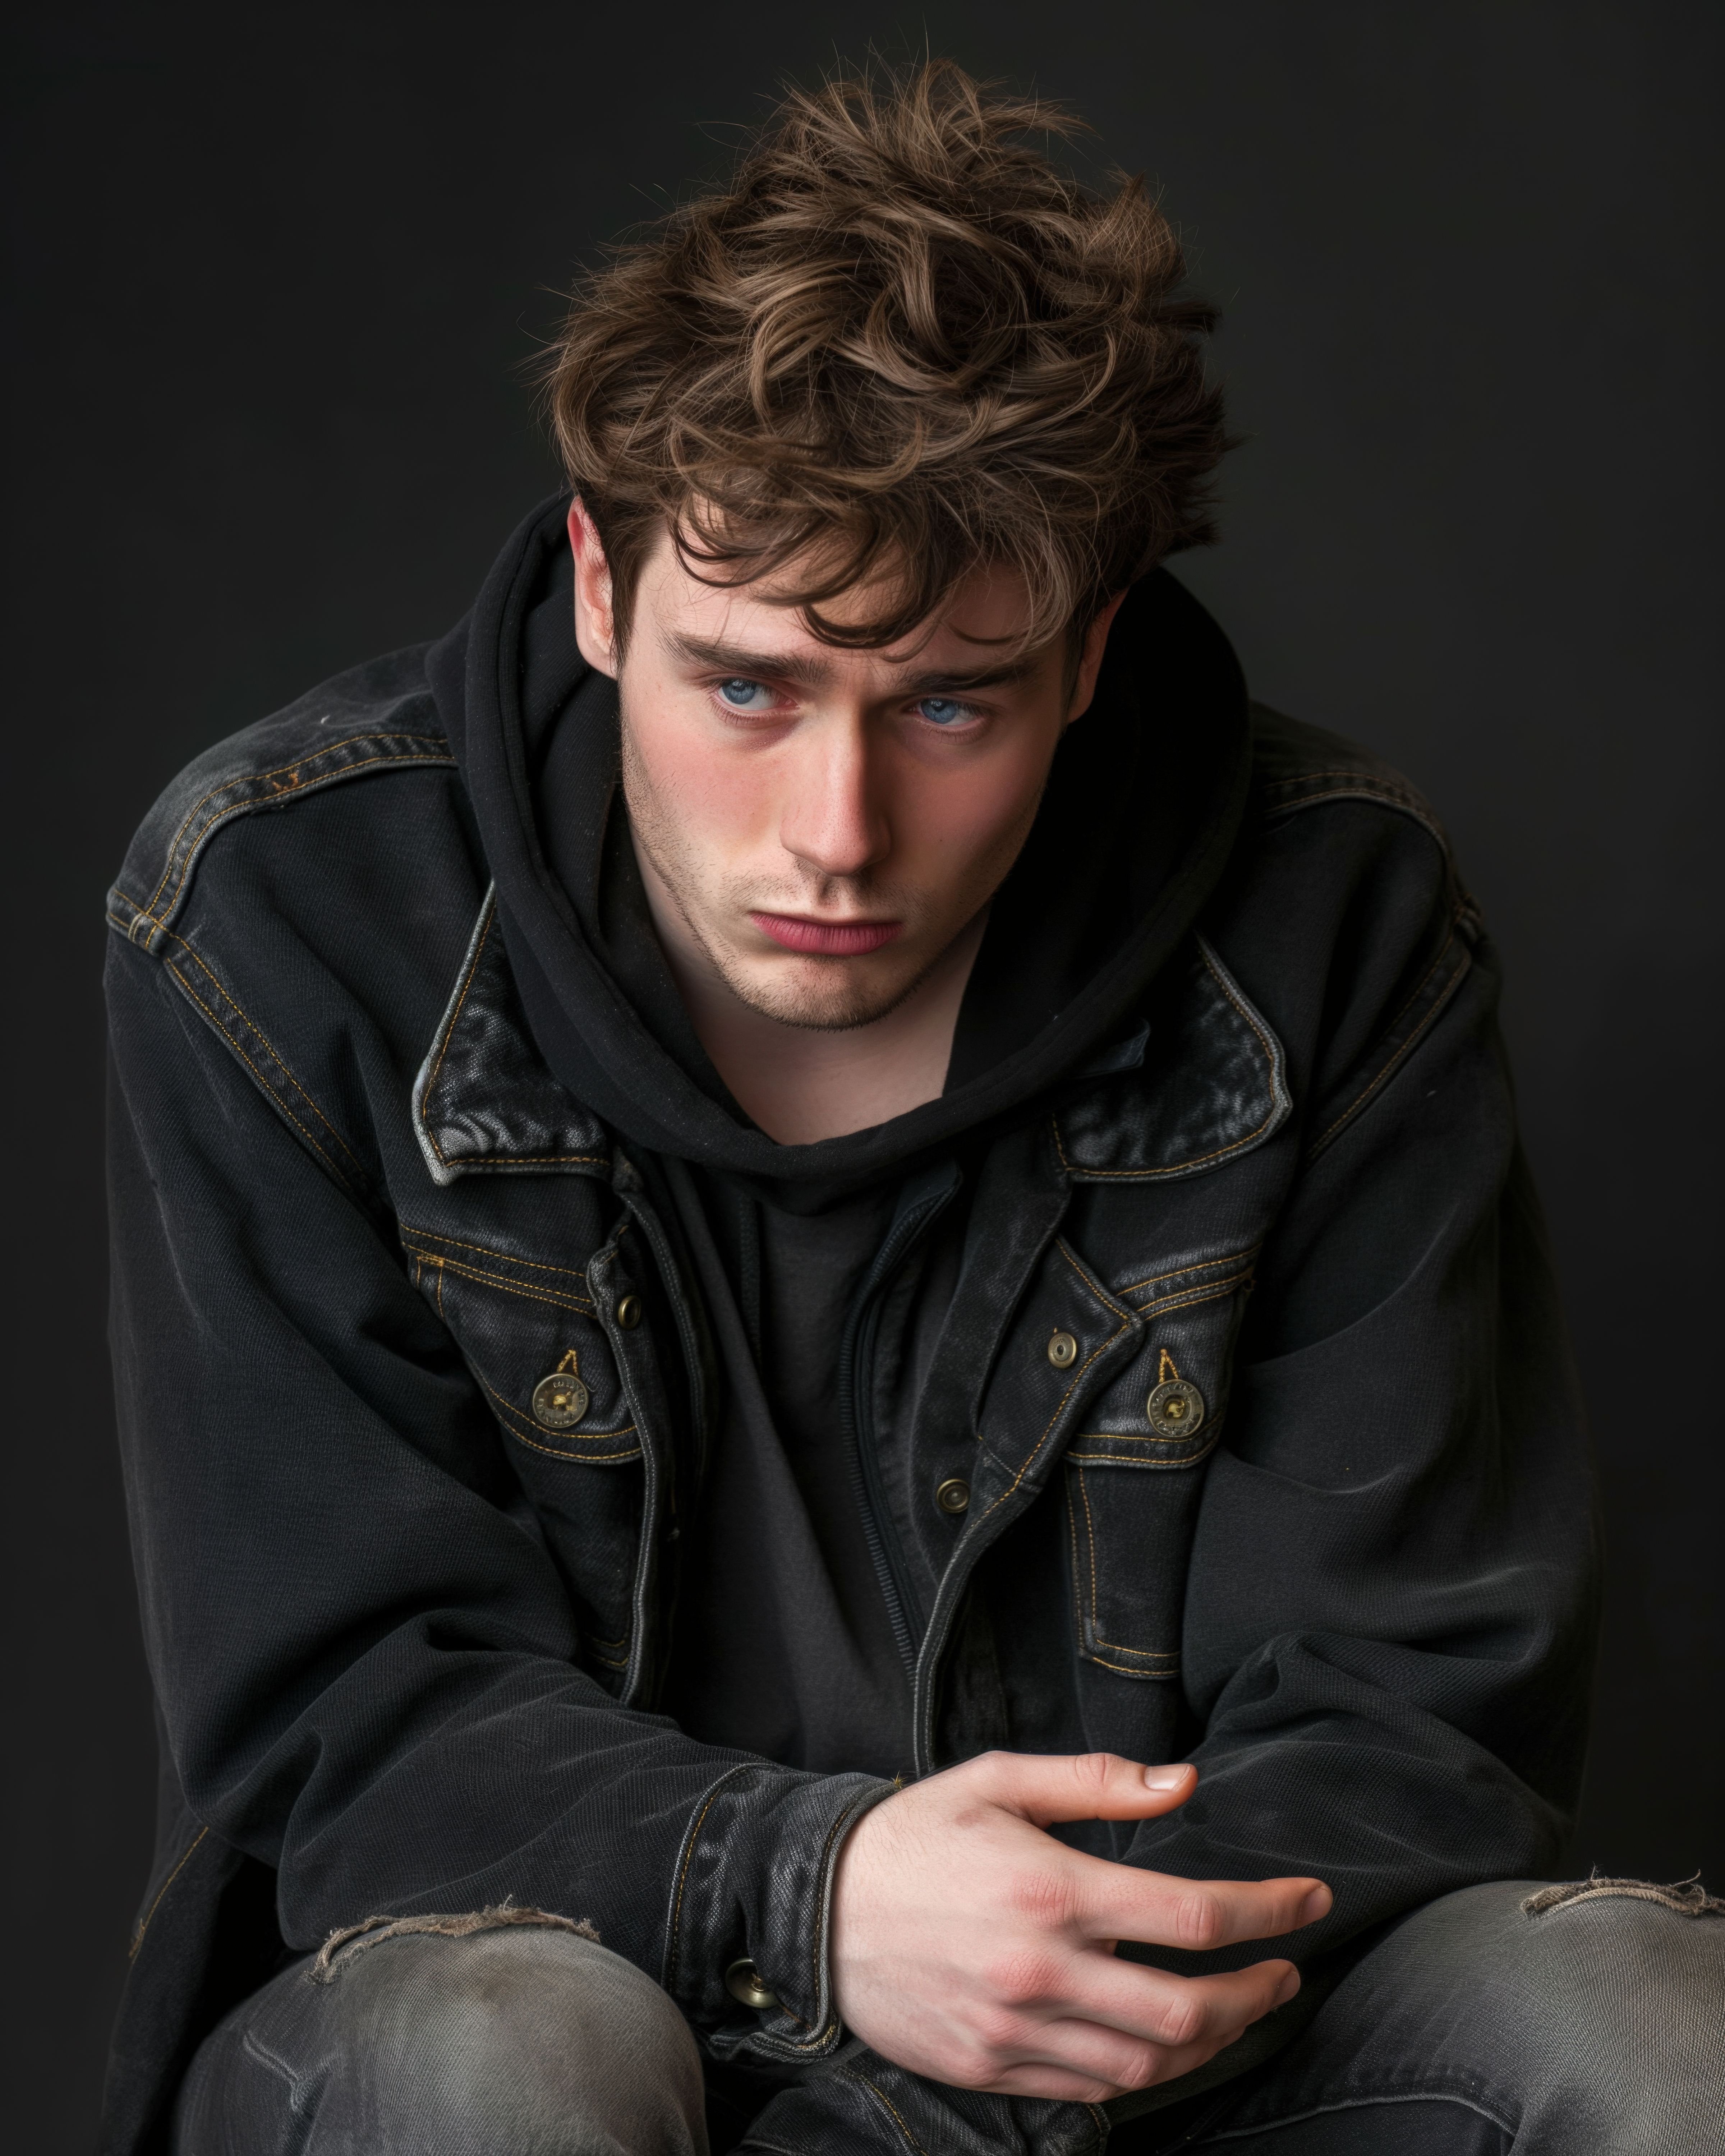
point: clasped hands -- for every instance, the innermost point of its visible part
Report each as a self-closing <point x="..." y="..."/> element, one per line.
<point x="971" y="1947"/>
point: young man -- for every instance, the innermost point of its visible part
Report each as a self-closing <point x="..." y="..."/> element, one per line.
<point x="847" y="1426"/>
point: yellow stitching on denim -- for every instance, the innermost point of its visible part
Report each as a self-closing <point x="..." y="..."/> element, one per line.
<point x="1121" y="1669"/>
<point x="1115" y="1646"/>
<point x="1072" y="1529"/>
<point x="507" y="1286"/>
<point x="1203" y="1265"/>
<point x="910" y="2140"/>
<point x="559" y="1452"/>
<point x="193" y="844"/>
<point x="1198" y="1160"/>
<point x="264" y="1085"/>
<point x="1457" y="976"/>
<point x="251" y="778"/>
<point x="274" y="1053"/>
<point x="818" y="1946"/>
<point x="149" y="1915"/>
<point x="1123" y="1460"/>
<point x="582" y="1459"/>
<point x="502" y="1283"/>
<point x="1212" y="1292"/>
<point x="1091" y="1282"/>
<point x="503" y="1257"/>
<point x="712" y="1796"/>
<point x="1078" y="1375"/>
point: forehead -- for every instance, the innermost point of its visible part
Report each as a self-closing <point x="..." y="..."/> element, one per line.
<point x="979" y="628"/>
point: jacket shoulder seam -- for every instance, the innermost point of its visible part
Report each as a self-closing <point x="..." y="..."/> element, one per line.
<point x="144" y="921"/>
<point x="1418" y="1012"/>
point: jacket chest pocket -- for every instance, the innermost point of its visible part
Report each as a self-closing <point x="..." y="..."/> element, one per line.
<point x="1134" y="1480"/>
<point x="530" y="1333"/>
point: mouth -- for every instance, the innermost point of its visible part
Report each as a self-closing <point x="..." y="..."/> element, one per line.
<point x="826" y="939"/>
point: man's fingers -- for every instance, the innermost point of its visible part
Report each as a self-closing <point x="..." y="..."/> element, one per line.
<point x="1120" y="1902"/>
<point x="1043" y="1788"/>
<point x="1154" y="2006"/>
<point x="1167" y="2028"/>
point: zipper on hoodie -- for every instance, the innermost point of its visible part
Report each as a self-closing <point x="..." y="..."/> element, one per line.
<point x="922" y="1199"/>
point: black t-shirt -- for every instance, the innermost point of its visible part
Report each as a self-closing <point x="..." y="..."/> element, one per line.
<point x="782" y="1643"/>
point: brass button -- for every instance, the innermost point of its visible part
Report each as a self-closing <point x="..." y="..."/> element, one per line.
<point x="743" y="1980"/>
<point x="1175" y="1409"/>
<point x="561" y="1398"/>
<point x="952" y="1495"/>
<point x="1063" y="1351"/>
<point x="629" y="1312"/>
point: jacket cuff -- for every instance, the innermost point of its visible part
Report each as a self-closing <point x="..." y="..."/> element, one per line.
<point x="754" y="1880"/>
<point x="861" y="2103"/>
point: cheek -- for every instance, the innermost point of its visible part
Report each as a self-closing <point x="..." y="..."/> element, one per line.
<point x="698" y="792"/>
<point x="967" y="814"/>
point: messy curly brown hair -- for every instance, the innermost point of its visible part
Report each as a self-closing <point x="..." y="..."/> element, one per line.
<point x="900" y="346"/>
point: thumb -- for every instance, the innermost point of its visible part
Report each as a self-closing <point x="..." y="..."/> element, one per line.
<point x="1085" y="1785"/>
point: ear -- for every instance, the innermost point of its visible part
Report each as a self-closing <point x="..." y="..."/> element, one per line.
<point x="594" y="621"/>
<point x="1089" y="663"/>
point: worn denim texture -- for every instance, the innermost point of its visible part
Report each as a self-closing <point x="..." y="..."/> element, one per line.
<point x="517" y="2042"/>
<point x="407" y="1640"/>
<point x="1473" y="2030"/>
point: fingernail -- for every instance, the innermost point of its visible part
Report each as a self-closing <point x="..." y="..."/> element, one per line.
<point x="1316" y="1904"/>
<point x="1165" y="1778"/>
<point x="1289" y="1985"/>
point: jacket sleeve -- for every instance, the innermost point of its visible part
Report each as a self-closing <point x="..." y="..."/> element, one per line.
<point x="1391" y="1601"/>
<point x="362" y="1649"/>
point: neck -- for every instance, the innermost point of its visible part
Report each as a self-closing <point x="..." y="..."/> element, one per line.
<point x="801" y="1084"/>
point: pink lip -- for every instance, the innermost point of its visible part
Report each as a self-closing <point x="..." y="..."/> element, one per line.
<point x="829" y="939"/>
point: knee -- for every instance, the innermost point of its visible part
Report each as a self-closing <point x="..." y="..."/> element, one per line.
<point x="1623" y="1961"/>
<point x="546" y="2040"/>
<point x="1609" y="1997"/>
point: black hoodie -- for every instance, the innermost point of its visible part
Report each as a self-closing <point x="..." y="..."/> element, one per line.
<point x="791" y="1641"/>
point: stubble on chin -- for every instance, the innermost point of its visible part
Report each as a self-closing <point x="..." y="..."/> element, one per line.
<point x="826" y="995"/>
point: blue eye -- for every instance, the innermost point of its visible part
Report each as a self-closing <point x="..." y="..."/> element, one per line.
<point x="741" y="694"/>
<point x="942" y="711"/>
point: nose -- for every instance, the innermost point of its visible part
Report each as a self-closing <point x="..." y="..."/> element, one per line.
<point x="832" y="820"/>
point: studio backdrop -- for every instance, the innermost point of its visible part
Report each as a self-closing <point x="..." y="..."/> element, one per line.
<point x="280" y="274"/>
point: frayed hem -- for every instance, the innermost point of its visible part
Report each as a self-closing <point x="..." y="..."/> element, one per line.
<point x="1688" y="1897"/>
<point x="373" y="1931"/>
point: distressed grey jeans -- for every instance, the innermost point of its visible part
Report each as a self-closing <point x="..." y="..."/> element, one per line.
<point x="1579" y="2021"/>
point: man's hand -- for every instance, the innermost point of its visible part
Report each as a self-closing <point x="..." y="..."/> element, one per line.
<point x="970" y="1946"/>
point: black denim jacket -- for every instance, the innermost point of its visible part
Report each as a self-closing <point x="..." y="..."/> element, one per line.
<point x="1334" y="1542"/>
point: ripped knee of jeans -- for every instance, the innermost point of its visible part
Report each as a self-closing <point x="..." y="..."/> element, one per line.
<point x="1688" y="1897"/>
<point x="351" y="1939"/>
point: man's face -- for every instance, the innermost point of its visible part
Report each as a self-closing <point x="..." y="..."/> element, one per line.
<point x="825" y="824"/>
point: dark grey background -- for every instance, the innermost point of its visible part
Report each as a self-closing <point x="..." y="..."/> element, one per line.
<point x="277" y="267"/>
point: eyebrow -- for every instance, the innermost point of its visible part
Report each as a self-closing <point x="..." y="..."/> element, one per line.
<point x="809" y="672"/>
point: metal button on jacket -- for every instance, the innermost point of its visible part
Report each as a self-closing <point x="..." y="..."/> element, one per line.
<point x="952" y="1495"/>
<point x="743" y="1980"/>
<point x="1175" y="1409"/>
<point x="1063" y="1351"/>
<point x="629" y="1312"/>
<point x="561" y="1398"/>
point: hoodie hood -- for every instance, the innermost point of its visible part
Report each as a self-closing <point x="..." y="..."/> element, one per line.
<point x="1142" y="806"/>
